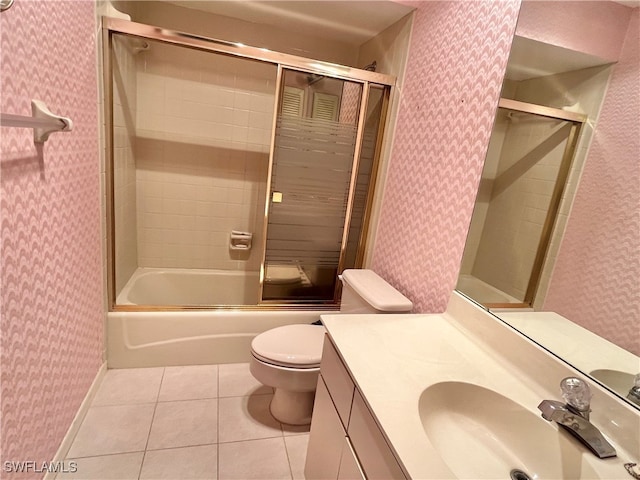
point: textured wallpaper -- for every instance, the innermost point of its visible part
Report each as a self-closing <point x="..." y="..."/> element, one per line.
<point x="51" y="297"/>
<point x="596" y="280"/>
<point x="457" y="59"/>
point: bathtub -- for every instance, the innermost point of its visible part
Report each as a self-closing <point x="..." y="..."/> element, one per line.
<point x="483" y="292"/>
<point x="189" y="337"/>
<point x="191" y="287"/>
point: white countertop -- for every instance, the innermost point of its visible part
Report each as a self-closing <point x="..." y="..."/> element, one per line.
<point x="577" y="345"/>
<point x="394" y="358"/>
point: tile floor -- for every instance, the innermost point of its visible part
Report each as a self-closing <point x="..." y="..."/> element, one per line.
<point x="195" y="422"/>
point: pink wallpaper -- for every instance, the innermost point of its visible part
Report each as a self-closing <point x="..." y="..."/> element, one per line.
<point x="596" y="278"/>
<point x="592" y="27"/>
<point x="51" y="296"/>
<point x="457" y="59"/>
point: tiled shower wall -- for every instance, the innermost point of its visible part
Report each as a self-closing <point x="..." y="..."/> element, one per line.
<point x="530" y="159"/>
<point x="203" y="131"/>
<point x="52" y="297"/>
<point x="441" y="137"/>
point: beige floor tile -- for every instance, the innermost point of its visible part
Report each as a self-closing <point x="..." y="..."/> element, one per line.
<point x="129" y="386"/>
<point x="264" y="459"/>
<point x="247" y="418"/>
<point x="183" y="424"/>
<point x="189" y="383"/>
<point x="235" y="380"/>
<point x="187" y="463"/>
<point x="125" y="466"/>
<point x="295" y="429"/>
<point x="112" y="429"/>
<point x="297" y="453"/>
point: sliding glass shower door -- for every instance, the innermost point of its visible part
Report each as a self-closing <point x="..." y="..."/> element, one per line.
<point x="236" y="177"/>
<point x="313" y="161"/>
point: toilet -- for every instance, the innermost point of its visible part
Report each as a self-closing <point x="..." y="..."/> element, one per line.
<point x="288" y="358"/>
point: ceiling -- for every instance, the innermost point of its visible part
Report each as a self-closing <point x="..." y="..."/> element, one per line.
<point x="629" y="3"/>
<point x="353" y="22"/>
<point x="532" y="59"/>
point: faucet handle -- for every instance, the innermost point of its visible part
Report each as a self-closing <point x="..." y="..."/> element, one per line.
<point x="577" y="394"/>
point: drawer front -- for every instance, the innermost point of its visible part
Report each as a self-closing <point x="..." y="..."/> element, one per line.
<point x="326" y="438"/>
<point x="349" y="466"/>
<point x="338" y="380"/>
<point x="372" y="450"/>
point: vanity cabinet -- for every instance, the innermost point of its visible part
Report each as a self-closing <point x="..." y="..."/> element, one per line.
<point x="345" y="440"/>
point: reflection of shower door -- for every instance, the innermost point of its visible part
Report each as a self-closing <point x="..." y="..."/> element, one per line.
<point x="315" y="145"/>
<point x="523" y="180"/>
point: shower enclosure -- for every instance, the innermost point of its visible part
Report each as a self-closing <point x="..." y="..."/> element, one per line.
<point x="236" y="176"/>
<point x="524" y="177"/>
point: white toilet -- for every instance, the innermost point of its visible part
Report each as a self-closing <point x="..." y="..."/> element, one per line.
<point x="288" y="358"/>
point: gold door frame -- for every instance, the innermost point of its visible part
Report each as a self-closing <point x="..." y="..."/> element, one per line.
<point x="577" y="121"/>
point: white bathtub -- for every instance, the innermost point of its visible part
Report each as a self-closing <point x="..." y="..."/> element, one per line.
<point x="164" y="338"/>
<point x="483" y="292"/>
<point x="191" y="287"/>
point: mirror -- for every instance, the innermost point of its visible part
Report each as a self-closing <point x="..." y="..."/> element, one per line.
<point x="555" y="225"/>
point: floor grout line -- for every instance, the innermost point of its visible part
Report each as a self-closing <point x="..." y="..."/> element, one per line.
<point x="153" y="416"/>
<point x="279" y="432"/>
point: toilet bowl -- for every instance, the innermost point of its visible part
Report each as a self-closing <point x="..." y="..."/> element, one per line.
<point x="288" y="358"/>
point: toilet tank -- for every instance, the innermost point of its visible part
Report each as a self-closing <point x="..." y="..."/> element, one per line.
<point x="363" y="291"/>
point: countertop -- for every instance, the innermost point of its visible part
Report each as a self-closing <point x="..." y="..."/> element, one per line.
<point x="394" y="358"/>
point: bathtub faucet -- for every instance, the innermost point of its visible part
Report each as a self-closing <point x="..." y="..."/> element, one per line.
<point x="573" y="416"/>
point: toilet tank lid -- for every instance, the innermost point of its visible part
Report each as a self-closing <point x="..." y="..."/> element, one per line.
<point x="376" y="291"/>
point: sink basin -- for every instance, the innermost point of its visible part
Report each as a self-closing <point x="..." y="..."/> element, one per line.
<point x="481" y="434"/>
<point x="619" y="382"/>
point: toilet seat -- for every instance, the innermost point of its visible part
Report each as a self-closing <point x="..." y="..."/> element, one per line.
<point x="293" y="346"/>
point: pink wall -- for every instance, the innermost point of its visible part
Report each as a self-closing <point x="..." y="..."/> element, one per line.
<point x="52" y="298"/>
<point x="596" y="278"/>
<point x="457" y="59"/>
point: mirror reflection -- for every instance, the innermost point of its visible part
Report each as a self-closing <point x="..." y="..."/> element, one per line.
<point x="555" y="225"/>
<point x="526" y="169"/>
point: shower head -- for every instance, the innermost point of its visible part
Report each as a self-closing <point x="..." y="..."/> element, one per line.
<point x="371" y="67"/>
<point x="314" y="78"/>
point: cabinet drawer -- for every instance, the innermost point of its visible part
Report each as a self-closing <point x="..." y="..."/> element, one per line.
<point x="376" y="458"/>
<point x="349" y="466"/>
<point x="325" y="442"/>
<point x="338" y="380"/>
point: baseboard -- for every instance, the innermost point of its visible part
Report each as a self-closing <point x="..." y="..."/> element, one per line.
<point x="65" y="445"/>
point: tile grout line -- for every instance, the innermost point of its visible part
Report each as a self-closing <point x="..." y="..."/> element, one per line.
<point x="153" y="416"/>
<point x="286" y="451"/>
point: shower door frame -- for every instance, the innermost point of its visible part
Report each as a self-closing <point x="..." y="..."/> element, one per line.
<point x="366" y="78"/>
<point x="577" y="121"/>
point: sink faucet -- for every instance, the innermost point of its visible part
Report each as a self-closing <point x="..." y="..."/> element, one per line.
<point x="573" y="416"/>
<point x="634" y="392"/>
